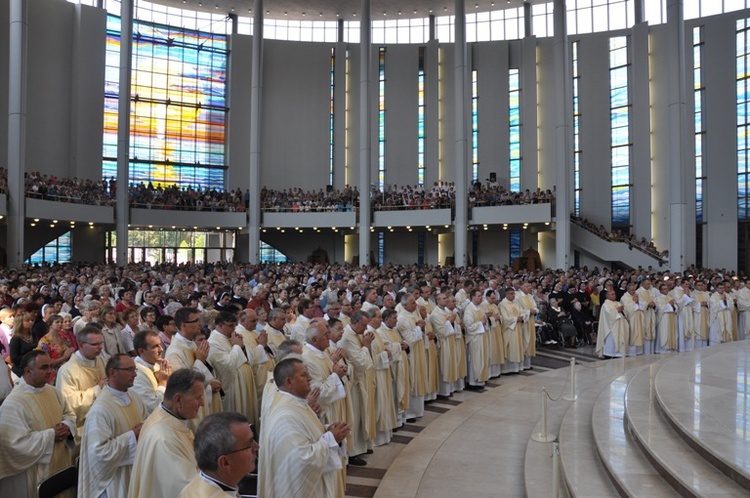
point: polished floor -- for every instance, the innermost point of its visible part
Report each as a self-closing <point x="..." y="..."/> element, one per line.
<point x="667" y="425"/>
<point x="365" y="481"/>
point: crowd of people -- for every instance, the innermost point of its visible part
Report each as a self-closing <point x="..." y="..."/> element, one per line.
<point x="632" y="240"/>
<point x="296" y="200"/>
<point x="103" y="193"/>
<point x="153" y="373"/>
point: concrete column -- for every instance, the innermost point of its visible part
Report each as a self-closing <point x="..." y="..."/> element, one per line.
<point x="340" y="31"/>
<point x="638" y="7"/>
<point x="563" y="134"/>
<point x="677" y="135"/>
<point x="461" y="221"/>
<point x="527" y="19"/>
<point x="365" y="121"/>
<point x="16" y="131"/>
<point x="433" y="29"/>
<point x="122" y="208"/>
<point x="256" y="96"/>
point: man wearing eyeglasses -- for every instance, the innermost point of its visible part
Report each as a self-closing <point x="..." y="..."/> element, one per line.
<point x="33" y="445"/>
<point x="111" y="432"/>
<point x="82" y="378"/>
<point x="225" y="450"/>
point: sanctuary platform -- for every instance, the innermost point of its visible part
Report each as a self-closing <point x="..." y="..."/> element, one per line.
<point x="664" y="425"/>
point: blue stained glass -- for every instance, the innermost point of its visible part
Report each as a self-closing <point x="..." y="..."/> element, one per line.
<point x="618" y="97"/>
<point x="620" y="136"/>
<point x="742" y="209"/>
<point x="515" y="139"/>
<point x="513" y="80"/>
<point x="620" y="176"/>
<point x="741" y="161"/>
<point x="515" y="168"/>
<point x="620" y="117"/>
<point x="515" y="112"/>
<point x="620" y="156"/>
<point x="698" y="144"/>
<point x="698" y="101"/>
<point x="742" y="185"/>
<point x="515" y="245"/>
<point x="742" y="138"/>
<point x="515" y="185"/>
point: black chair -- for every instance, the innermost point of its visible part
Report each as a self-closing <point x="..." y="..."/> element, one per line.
<point x="58" y="482"/>
<point x="248" y="486"/>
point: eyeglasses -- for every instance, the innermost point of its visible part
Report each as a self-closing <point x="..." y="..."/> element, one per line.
<point x="93" y="344"/>
<point x="192" y="321"/>
<point x="252" y="446"/>
<point x="130" y="369"/>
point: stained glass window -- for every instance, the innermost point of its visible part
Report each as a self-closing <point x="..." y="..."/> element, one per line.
<point x="420" y="117"/>
<point x="474" y="125"/>
<point x="619" y="104"/>
<point x="514" y="125"/>
<point x="178" y="105"/>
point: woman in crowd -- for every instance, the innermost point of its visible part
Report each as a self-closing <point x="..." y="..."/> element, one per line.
<point x="59" y="348"/>
<point x="111" y="330"/>
<point x="23" y="339"/>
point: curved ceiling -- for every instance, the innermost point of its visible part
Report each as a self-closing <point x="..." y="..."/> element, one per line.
<point x="331" y="10"/>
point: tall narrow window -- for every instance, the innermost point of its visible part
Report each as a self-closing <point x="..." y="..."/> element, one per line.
<point x="700" y="178"/>
<point x="743" y="122"/>
<point x="381" y="248"/>
<point x="420" y="117"/>
<point x="514" y="124"/>
<point x="474" y="126"/>
<point x="331" y="118"/>
<point x="381" y="119"/>
<point x="178" y="110"/>
<point x="619" y="116"/>
<point x="576" y="134"/>
<point x="515" y="245"/>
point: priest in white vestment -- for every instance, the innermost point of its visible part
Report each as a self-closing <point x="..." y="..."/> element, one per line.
<point x="184" y="352"/>
<point x="399" y="361"/>
<point x="459" y="345"/>
<point x="164" y="459"/>
<point x="526" y="301"/>
<point x="152" y="370"/>
<point x="383" y="396"/>
<point x="512" y="317"/>
<point x="647" y="296"/>
<point x="82" y="377"/>
<point x="700" y="315"/>
<point x="634" y="312"/>
<point x="720" y="316"/>
<point x="299" y="457"/>
<point x="36" y="430"/>
<point x="257" y="348"/>
<point x="666" y="321"/>
<point x="613" y="332"/>
<point x="225" y="451"/>
<point x="233" y="367"/>
<point x="443" y="321"/>
<point x="476" y="325"/>
<point x="326" y="375"/>
<point x="111" y="432"/>
<point x="682" y="296"/>
<point x="275" y="332"/>
<point x="305" y="314"/>
<point x="742" y="298"/>
<point x="411" y="328"/>
<point x="356" y="342"/>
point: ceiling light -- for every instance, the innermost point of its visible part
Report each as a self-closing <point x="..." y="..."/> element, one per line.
<point x="52" y="225"/>
<point x="33" y="224"/>
<point x="36" y="220"/>
<point x="91" y="223"/>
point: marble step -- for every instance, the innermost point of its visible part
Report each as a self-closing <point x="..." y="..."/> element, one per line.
<point x="581" y="469"/>
<point x="628" y="468"/>
<point x="703" y="396"/>
<point x="685" y="470"/>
